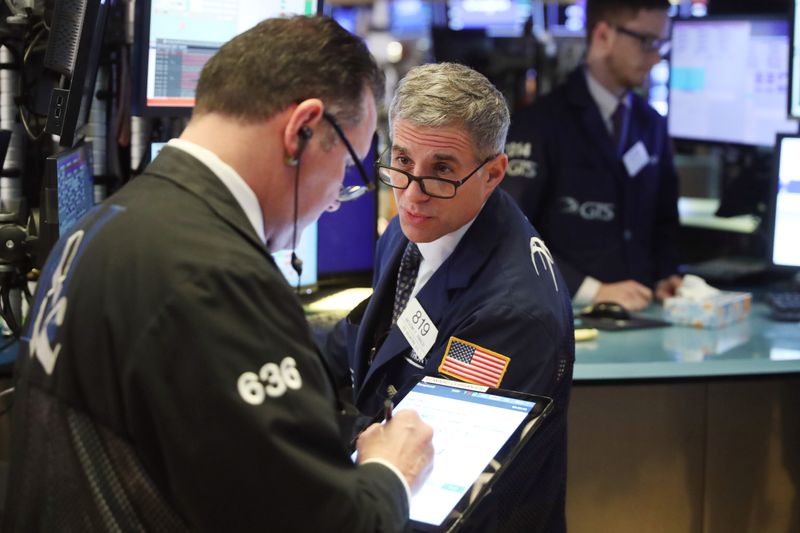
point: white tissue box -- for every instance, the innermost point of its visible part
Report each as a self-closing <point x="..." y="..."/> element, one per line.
<point x="714" y="311"/>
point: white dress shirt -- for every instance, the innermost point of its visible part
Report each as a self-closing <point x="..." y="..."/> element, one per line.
<point x="435" y="253"/>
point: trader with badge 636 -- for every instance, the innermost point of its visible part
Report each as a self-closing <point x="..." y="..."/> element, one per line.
<point x="464" y="287"/>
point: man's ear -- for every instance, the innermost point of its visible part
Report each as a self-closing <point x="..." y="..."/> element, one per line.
<point x="300" y="126"/>
<point x="495" y="172"/>
<point x="497" y="168"/>
<point x="603" y="36"/>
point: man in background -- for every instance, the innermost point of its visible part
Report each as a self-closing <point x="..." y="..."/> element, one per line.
<point x="591" y="163"/>
<point x="168" y="380"/>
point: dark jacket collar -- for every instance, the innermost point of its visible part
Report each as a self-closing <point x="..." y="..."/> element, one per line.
<point x="190" y="174"/>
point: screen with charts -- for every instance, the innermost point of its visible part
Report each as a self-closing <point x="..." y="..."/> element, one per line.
<point x="67" y="195"/>
<point x="75" y="187"/>
<point x="729" y="81"/>
<point x="786" y="204"/>
<point x="470" y="427"/>
<point x="182" y="37"/>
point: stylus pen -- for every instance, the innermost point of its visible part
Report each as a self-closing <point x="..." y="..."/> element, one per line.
<point x="387" y="409"/>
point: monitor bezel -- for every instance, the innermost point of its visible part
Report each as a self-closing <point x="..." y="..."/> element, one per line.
<point x="49" y="219"/>
<point x="68" y="110"/>
<point x="773" y="205"/>
<point x="771" y="17"/>
<point x="140" y="62"/>
<point x="792" y="23"/>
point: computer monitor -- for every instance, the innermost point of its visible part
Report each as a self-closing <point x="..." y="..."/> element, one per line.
<point x="410" y="19"/>
<point x="784" y="212"/>
<point x="729" y="80"/>
<point x="155" y="148"/>
<point x="505" y="18"/>
<point x="346" y="16"/>
<point x="306" y="250"/>
<point x="73" y="51"/>
<point x="347" y="237"/>
<point x="67" y="195"/>
<point x="178" y="38"/>
<point x="566" y="20"/>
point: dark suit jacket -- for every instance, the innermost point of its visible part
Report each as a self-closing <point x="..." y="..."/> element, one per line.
<point x="575" y="189"/>
<point x="497" y="292"/>
<point x="186" y="361"/>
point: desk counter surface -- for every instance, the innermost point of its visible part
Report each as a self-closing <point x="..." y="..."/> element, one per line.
<point x="755" y="346"/>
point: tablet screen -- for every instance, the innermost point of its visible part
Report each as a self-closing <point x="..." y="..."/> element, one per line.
<point x="471" y="424"/>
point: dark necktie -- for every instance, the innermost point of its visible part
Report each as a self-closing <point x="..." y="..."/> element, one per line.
<point x="406" y="278"/>
<point x="618" y="125"/>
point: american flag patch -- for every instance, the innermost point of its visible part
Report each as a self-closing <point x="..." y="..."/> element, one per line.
<point x="471" y="363"/>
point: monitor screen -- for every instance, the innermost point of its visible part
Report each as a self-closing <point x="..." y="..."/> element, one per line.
<point x="567" y="19"/>
<point x="346" y="16"/>
<point x="347" y="236"/>
<point x="155" y="148"/>
<point x="182" y="36"/>
<point x="410" y="19"/>
<point x="306" y="250"/>
<point x="67" y="195"/>
<point x="785" y="205"/>
<point x="500" y="18"/>
<point x="729" y="81"/>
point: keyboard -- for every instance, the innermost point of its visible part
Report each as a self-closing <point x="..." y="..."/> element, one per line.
<point x="784" y="306"/>
<point x="727" y="268"/>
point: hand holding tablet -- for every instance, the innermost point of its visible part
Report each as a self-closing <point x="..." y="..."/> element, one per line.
<point x="404" y="441"/>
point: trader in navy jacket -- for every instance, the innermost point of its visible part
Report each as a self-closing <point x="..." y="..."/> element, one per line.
<point x="486" y="284"/>
<point x="591" y="163"/>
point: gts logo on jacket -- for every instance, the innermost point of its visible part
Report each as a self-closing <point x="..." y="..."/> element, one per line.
<point x="519" y="161"/>
<point x="601" y="211"/>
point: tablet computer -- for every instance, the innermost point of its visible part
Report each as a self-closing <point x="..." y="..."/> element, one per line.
<point x="477" y="432"/>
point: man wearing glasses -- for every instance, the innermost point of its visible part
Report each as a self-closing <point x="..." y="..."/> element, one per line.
<point x="591" y="163"/>
<point x="464" y="288"/>
<point x="168" y="380"/>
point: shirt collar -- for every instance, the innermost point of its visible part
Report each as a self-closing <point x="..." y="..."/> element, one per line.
<point x="240" y="190"/>
<point x="606" y="100"/>
<point x="436" y="252"/>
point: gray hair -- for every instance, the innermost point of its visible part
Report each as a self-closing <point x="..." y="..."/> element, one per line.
<point x="444" y="94"/>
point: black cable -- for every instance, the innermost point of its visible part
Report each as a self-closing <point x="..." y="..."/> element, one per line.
<point x="297" y="264"/>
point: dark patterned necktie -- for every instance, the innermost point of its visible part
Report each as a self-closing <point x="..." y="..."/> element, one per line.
<point x="406" y="278"/>
<point x="618" y="125"/>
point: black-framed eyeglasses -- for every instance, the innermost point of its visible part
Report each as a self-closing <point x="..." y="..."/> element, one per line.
<point x="649" y="43"/>
<point x="430" y="185"/>
<point x="351" y="192"/>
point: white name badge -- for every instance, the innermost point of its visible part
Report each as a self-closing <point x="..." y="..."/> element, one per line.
<point x="636" y="158"/>
<point x="417" y="328"/>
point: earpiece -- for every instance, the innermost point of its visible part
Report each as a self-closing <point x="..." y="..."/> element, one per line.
<point x="303" y="135"/>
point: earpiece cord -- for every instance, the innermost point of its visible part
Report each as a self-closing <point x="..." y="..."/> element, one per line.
<point x="297" y="264"/>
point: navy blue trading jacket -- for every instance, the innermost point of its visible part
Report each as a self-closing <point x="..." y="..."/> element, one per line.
<point x="488" y="292"/>
<point x="597" y="220"/>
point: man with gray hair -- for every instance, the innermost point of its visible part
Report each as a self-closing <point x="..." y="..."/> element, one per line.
<point x="462" y="258"/>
